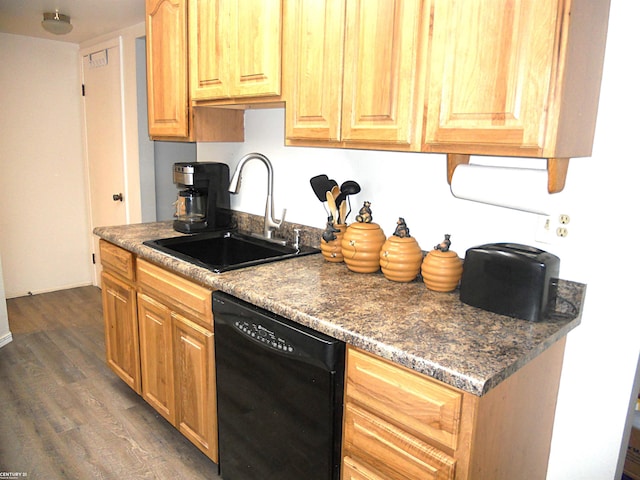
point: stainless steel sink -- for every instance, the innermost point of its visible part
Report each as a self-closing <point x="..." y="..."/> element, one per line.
<point x="224" y="251"/>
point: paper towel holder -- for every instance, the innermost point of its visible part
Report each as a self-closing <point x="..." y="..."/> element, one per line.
<point x="556" y="170"/>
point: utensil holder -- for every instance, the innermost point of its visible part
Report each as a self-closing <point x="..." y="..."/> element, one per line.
<point x="332" y="250"/>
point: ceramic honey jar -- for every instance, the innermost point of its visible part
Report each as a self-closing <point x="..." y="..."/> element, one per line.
<point x="331" y="242"/>
<point x="401" y="256"/>
<point x="362" y="242"/>
<point x="442" y="268"/>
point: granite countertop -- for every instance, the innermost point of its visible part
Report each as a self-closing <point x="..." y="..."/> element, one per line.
<point x="432" y="333"/>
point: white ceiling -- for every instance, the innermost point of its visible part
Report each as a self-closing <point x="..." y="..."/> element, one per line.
<point x="90" y="18"/>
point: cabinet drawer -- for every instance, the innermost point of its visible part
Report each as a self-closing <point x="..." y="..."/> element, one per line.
<point x="354" y="470"/>
<point x="417" y="404"/>
<point x="117" y="259"/>
<point x="387" y="450"/>
<point x="180" y="294"/>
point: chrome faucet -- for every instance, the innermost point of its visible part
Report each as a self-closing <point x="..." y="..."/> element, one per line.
<point x="270" y="224"/>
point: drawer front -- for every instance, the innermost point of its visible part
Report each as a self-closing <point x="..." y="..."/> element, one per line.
<point x="389" y="452"/>
<point x="425" y="408"/>
<point x="354" y="470"/>
<point x="182" y="295"/>
<point x="117" y="259"/>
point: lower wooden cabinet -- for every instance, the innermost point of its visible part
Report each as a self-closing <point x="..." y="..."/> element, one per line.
<point x="176" y="350"/>
<point x="121" y="329"/>
<point x="195" y="384"/>
<point x="159" y="340"/>
<point x="156" y="356"/>
<point x="178" y="377"/>
<point x="401" y="425"/>
<point x="397" y="422"/>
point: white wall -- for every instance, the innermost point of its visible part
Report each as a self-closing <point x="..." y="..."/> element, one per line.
<point x="601" y="196"/>
<point x="43" y="214"/>
<point x="44" y="220"/>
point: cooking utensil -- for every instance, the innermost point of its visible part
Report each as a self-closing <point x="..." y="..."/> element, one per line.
<point x="349" y="187"/>
<point x="331" y="202"/>
<point x="331" y="184"/>
<point x="342" y="212"/>
<point x="335" y="191"/>
<point x="319" y="185"/>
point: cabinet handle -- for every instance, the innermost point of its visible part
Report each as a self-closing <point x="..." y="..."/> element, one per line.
<point x="117" y="197"/>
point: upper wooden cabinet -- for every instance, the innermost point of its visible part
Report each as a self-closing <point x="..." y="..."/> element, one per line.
<point x="515" y="77"/>
<point x="354" y="73"/>
<point x="506" y="77"/>
<point x="170" y="114"/>
<point x="167" y="81"/>
<point x="235" y="49"/>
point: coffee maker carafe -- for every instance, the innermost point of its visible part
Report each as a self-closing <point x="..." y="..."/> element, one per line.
<point x="203" y="201"/>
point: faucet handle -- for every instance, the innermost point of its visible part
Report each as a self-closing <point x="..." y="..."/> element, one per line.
<point x="281" y="221"/>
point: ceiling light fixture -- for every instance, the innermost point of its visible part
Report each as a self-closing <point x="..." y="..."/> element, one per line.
<point x="56" y="23"/>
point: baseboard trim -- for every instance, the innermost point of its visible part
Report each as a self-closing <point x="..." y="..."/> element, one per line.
<point x="47" y="290"/>
<point x="6" y="339"/>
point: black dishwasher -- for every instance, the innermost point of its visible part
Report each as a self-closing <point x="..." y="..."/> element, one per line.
<point x="279" y="387"/>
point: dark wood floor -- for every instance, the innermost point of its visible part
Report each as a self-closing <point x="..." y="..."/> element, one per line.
<point x="65" y="415"/>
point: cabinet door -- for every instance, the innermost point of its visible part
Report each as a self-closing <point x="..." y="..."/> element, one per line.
<point x="381" y="71"/>
<point x="491" y="73"/>
<point x="256" y="47"/>
<point x="313" y="64"/>
<point x="195" y="384"/>
<point x="235" y="48"/>
<point x="167" y="83"/>
<point x="156" y="356"/>
<point x="209" y="49"/>
<point x="121" y="329"/>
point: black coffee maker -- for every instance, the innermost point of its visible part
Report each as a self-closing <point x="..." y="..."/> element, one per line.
<point x="203" y="202"/>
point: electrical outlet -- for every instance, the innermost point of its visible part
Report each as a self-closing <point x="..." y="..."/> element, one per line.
<point x="552" y="228"/>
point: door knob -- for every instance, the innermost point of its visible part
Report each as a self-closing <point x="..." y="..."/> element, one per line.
<point x="117" y="197"/>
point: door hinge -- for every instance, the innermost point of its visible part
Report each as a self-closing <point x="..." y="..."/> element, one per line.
<point x="93" y="258"/>
<point x="83" y="89"/>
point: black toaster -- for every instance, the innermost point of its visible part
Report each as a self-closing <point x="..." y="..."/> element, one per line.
<point x="510" y="279"/>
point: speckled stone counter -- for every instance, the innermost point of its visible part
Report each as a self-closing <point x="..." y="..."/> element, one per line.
<point x="432" y="333"/>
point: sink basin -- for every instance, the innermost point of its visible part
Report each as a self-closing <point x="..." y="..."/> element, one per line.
<point x="224" y="251"/>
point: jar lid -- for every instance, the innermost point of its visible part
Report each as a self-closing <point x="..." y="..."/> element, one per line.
<point x="439" y="253"/>
<point x="364" y="226"/>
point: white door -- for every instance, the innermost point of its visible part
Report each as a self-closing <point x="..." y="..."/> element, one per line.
<point x="104" y="145"/>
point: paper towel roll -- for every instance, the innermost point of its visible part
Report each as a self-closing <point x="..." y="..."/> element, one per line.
<point x="518" y="188"/>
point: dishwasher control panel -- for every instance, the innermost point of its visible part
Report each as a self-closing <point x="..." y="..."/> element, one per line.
<point x="264" y="335"/>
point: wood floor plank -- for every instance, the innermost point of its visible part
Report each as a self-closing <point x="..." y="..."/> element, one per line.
<point x="66" y="415"/>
